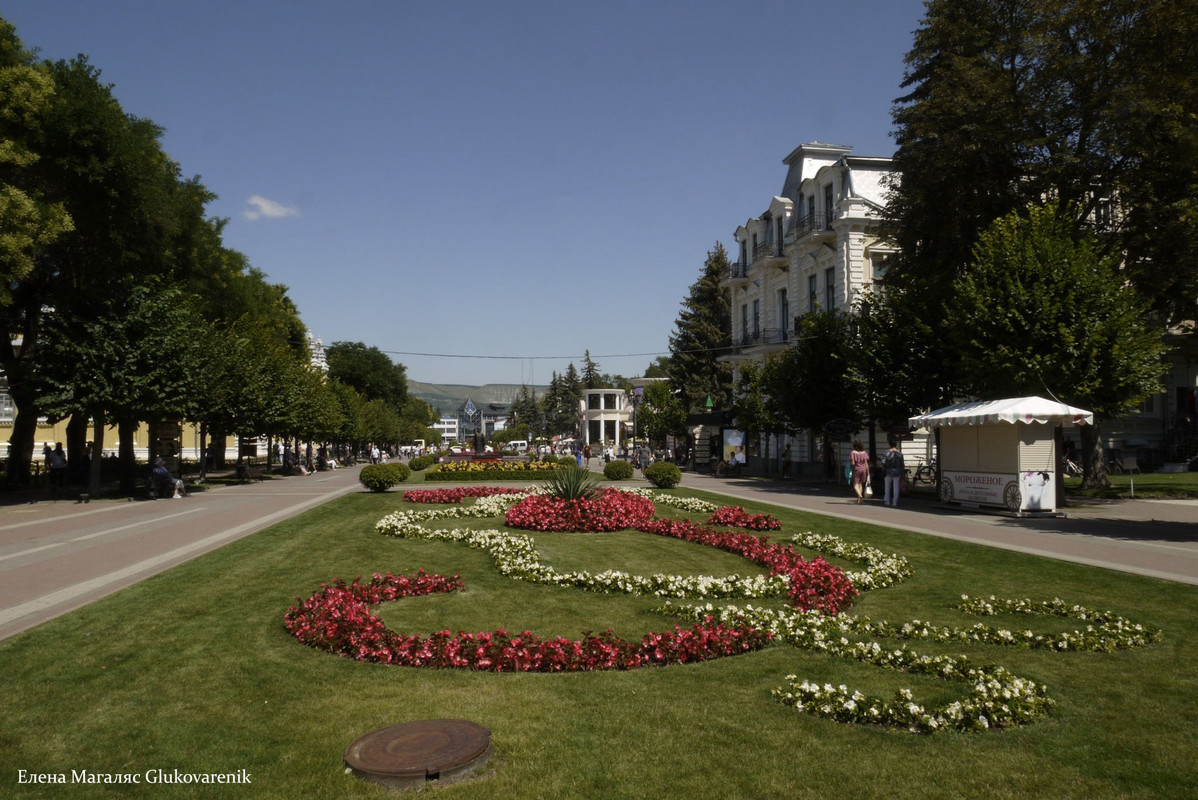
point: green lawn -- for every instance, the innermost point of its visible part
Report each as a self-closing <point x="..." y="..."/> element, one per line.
<point x="192" y="670"/>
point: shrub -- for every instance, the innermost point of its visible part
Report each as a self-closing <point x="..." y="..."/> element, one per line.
<point x="572" y="483"/>
<point x="617" y="470"/>
<point x="420" y="463"/>
<point x="381" y="477"/>
<point x="663" y="475"/>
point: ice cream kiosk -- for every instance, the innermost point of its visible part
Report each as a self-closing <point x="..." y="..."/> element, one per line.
<point x="1001" y="453"/>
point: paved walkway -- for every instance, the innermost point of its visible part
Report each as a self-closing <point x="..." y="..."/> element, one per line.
<point x="1158" y="538"/>
<point x="56" y="556"/>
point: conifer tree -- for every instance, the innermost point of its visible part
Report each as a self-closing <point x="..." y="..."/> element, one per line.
<point x="702" y="333"/>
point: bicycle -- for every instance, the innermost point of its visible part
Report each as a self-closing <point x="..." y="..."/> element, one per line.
<point x="926" y="473"/>
<point x="1073" y="469"/>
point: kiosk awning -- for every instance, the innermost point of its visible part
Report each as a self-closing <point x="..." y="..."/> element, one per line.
<point x="1011" y="410"/>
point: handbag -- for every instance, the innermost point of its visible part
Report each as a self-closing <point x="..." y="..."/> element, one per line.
<point x="869" y="489"/>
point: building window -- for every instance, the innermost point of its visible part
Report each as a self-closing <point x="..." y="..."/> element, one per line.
<point x="756" y="318"/>
<point x="829" y="289"/>
<point x="783" y="312"/>
<point x="744" y="322"/>
<point x="878" y="268"/>
<point x="743" y="257"/>
<point x="829" y="202"/>
<point x="812" y="297"/>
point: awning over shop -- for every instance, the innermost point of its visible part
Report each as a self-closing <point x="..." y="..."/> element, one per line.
<point x="1011" y="410"/>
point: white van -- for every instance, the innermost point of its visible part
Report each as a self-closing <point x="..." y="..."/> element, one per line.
<point x="519" y="445"/>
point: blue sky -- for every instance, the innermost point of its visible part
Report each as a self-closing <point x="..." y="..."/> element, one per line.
<point x="523" y="181"/>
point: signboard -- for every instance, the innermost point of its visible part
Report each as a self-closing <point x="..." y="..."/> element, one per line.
<point x="1031" y="490"/>
<point x="733" y="446"/>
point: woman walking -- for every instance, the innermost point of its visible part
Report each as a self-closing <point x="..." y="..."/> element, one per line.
<point x="859" y="459"/>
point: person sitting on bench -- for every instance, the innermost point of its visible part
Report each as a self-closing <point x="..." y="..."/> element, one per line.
<point x="164" y="478"/>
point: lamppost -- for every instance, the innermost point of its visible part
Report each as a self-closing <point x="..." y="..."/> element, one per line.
<point x="638" y="394"/>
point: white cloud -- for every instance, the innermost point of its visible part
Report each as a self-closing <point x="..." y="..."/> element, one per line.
<point x="261" y="207"/>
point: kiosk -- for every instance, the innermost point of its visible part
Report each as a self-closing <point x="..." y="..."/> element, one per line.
<point x="1001" y="453"/>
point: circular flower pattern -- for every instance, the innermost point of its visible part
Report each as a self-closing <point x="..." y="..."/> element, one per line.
<point x="338" y="618"/>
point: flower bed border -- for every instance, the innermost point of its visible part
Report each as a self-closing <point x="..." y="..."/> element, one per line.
<point x="338" y="619"/>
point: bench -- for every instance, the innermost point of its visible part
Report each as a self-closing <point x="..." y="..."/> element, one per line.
<point x="160" y="486"/>
<point x="250" y="472"/>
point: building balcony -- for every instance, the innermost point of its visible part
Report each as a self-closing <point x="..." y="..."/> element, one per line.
<point x="762" y="341"/>
<point x="770" y="254"/>
<point x="738" y="275"/>
<point x="817" y="226"/>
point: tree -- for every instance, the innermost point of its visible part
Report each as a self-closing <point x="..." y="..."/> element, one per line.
<point x="1039" y="311"/>
<point x="658" y="368"/>
<point x="28" y="221"/>
<point x="813" y="382"/>
<point x="702" y="333"/>
<point x="754" y="408"/>
<point x="370" y="371"/>
<point x="591" y="378"/>
<point x="526" y="411"/>
<point x="660" y="414"/>
<point x="139" y="358"/>
<point x="126" y="201"/>
<point x="1015" y="102"/>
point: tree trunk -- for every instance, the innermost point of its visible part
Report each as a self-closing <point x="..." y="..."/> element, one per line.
<point x="20" y="445"/>
<point x="1093" y="459"/>
<point x="76" y="448"/>
<point x="97" y="463"/>
<point x="125" y="430"/>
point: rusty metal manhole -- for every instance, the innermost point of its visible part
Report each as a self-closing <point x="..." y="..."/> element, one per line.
<point x="410" y="754"/>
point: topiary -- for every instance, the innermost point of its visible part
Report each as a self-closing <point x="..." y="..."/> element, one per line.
<point x="420" y="463"/>
<point x="663" y="475"/>
<point x="617" y="470"/>
<point x="381" y="477"/>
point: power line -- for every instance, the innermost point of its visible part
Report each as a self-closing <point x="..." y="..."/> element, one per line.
<point x="550" y="358"/>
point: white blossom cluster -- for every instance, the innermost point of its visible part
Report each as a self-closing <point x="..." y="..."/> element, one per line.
<point x="882" y="569"/>
<point x="516" y="557"/>
<point x="996" y="697"/>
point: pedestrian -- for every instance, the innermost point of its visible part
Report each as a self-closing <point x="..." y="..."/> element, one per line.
<point x="893" y="464"/>
<point x="859" y="459"/>
<point x="58" y="467"/>
<point x="786" y="461"/>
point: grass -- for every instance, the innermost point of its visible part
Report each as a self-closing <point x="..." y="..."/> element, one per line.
<point x="1146" y="486"/>
<point x="192" y="670"/>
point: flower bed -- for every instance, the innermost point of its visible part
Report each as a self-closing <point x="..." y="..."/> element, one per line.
<point x="338" y="619"/>
<point x="737" y="517"/>
<point x="452" y="496"/>
<point x="993" y="696"/>
<point x="611" y="510"/>
<point x="462" y="471"/>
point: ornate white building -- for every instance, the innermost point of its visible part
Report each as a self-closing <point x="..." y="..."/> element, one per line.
<point x="818" y="246"/>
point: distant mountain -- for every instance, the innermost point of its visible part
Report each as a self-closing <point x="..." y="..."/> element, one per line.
<point x="448" y="397"/>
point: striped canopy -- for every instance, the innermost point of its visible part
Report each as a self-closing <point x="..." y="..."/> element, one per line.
<point x="1012" y="410"/>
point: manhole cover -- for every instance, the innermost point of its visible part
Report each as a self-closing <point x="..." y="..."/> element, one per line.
<point x="408" y="755"/>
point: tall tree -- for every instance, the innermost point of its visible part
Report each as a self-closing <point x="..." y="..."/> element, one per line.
<point x="703" y="333"/>
<point x="370" y="371"/>
<point x="1015" y="102"/>
<point x="591" y="379"/>
<point x="1039" y="312"/>
<point x="108" y="171"/>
